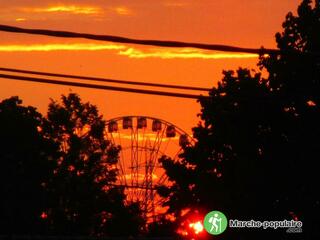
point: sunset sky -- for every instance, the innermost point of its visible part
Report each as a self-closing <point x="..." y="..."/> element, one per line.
<point x="246" y="23"/>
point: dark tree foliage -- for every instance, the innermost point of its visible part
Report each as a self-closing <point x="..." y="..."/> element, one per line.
<point x="162" y="228"/>
<point x="57" y="173"/>
<point x="258" y="140"/>
<point x="27" y="161"/>
<point x="82" y="199"/>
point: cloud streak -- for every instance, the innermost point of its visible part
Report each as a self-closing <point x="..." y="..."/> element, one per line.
<point x="127" y="51"/>
<point x="183" y="54"/>
<point x="20" y="19"/>
<point x="75" y="9"/>
<point x="87" y="10"/>
<point x="59" y="47"/>
<point x="122" y="11"/>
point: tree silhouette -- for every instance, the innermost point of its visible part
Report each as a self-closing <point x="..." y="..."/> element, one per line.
<point x="57" y="173"/>
<point x="27" y="161"/>
<point x="257" y="143"/>
<point x="83" y="200"/>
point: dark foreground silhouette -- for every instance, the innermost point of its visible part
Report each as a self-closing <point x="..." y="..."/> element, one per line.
<point x="56" y="173"/>
<point x="255" y="157"/>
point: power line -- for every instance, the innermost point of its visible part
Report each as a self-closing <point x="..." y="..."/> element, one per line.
<point x="101" y="87"/>
<point x="117" y="39"/>
<point x="104" y="79"/>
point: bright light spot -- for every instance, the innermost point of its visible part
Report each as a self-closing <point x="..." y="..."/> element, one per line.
<point x="20" y="19"/>
<point x="71" y="168"/>
<point x="311" y="103"/>
<point x="197" y="227"/>
<point x="43" y="215"/>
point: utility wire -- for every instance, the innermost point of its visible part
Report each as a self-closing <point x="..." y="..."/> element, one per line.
<point x="101" y="87"/>
<point x="117" y="39"/>
<point x="104" y="79"/>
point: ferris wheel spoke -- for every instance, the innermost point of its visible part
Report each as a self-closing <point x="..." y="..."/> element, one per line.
<point x="114" y="142"/>
<point x="159" y="201"/>
<point x="152" y="162"/>
<point x="156" y="149"/>
<point x="142" y="138"/>
<point x="142" y="156"/>
<point x="133" y="156"/>
<point x="166" y="147"/>
<point x="157" y="145"/>
<point x="122" y="163"/>
<point x="136" y="163"/>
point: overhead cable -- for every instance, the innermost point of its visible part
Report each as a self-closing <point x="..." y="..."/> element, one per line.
<point x="101" y="87"/>
<point x="117" y="39"/>
<point x="98" y="79"/>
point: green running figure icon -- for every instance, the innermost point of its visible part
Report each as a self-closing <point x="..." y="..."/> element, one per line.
<point x="215" y="222"/>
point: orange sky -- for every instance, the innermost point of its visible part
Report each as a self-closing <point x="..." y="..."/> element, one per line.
<point x="246" y="23"/>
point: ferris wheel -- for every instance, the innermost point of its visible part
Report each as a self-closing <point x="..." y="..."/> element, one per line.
<point x="143" y="140"/>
